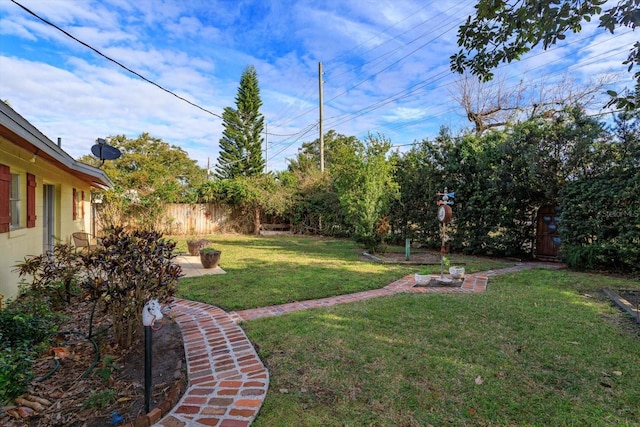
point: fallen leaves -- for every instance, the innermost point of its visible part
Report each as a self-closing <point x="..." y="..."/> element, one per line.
<point x="60" y="352"/>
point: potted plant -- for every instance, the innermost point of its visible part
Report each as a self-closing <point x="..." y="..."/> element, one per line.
<point x="194" y="246"/>
<point x="456" y="272"/>
<point x="210" y="257"/>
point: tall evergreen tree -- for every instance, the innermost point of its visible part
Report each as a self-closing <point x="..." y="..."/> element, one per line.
<point x="241" y="142"/>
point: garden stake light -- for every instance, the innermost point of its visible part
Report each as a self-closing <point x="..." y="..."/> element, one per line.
<point x="150" y="313"/>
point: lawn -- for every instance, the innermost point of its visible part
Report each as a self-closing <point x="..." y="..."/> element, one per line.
<point x="532" y="350"/>
<point x="540" y="347"/>
<point x="263" y="271"/>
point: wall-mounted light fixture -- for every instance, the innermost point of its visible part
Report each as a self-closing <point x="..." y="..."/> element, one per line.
<point x="33" y="159"/>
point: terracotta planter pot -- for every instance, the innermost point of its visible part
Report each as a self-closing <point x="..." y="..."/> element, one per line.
<point x="210" y="259"/>
<point x="194" y="246"/>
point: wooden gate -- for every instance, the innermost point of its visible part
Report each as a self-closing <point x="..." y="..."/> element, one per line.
<point x="548" y="233"/>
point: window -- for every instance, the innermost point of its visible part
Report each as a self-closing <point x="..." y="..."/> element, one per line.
<point x="14" y="201"/>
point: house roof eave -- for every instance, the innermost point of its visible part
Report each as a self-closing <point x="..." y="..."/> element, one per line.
<point x="20" y="132"/>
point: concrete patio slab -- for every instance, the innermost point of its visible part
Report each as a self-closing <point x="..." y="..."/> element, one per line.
<point x="191" y="266"/>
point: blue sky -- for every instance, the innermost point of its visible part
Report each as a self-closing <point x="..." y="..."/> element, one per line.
<point x="386" y="68"/>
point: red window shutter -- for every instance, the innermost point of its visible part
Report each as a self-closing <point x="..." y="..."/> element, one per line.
<point x="82" y="206"/>
<point x="75" y="205"/>
<point x="31" y="201"/>
<point x="5" y="191"/>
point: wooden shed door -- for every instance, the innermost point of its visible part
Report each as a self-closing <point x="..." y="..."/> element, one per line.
<point x="548" y="233"/>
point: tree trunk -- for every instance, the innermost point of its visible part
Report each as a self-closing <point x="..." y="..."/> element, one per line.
<point x="256" y="220"/>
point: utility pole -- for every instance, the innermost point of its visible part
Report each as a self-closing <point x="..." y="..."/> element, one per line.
<point x="321" y="118"/>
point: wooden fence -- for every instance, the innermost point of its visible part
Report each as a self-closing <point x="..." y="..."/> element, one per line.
<point x="185" y="219"/>
<point x="181" y="219"/>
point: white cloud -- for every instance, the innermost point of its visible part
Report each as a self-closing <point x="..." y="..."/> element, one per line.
<point x="386" y="64"/>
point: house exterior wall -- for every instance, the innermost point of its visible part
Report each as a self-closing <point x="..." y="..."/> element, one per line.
<point x="23" y="241"/>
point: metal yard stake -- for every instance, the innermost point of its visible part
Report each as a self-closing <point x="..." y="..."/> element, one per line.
<point x="150" y="313"/>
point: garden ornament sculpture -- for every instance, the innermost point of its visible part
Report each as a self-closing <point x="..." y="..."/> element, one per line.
<point x="151" y="313"/>
<point x="445" y="213"/>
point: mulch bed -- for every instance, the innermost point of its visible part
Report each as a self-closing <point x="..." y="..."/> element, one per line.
<point x="109" y="393"/>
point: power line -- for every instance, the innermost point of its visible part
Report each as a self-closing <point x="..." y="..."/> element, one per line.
<point x="290" y="134"/>
<point x="422" y="86"/>
<point x="305" y="93"/>
<point x="344" y="54"/>
<point x="115" y="62"/>
<point x="392" y="64"/>
<point x="380" y="58"/>
<point x="293" y="142"/>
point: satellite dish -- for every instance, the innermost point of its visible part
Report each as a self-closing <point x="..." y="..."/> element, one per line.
<point x="104" y="151"/>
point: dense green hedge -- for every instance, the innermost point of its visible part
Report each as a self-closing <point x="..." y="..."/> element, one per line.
<point x="601" y="222"/>
<point x="501" y="179"/>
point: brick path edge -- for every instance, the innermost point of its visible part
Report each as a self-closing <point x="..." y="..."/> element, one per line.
<point x="227" y="380"/>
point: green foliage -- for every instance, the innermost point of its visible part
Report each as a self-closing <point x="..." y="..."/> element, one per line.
<point x="228" y="191"/>
<point x="317" y="208"/>
<point x="106" y="368"/>
<point x="149" y="174"/>
<point x="128" y="270"/>
<point x="124" y="273"/>
<point x="501" y="178"/>
<point x="364" y="183"/>
<point x="18" y="327"/>
<point x="24" y="327"/>
<point x="241" y="142"/>
<point x="419" y="175"/>
<point x="601" y="211"/>
<point x="308" y="157"/>
<point x="601" y="222"/>
<point x="250" y="197"/>
<point x="15" y="371"/>
<point x="208" y="249"/>
<point x="53" y="274"/>
<point x="503" y="32"/>
<point x="100" y="399"/>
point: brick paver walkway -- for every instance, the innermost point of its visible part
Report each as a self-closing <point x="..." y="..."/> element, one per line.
<point x="227" y="380"/>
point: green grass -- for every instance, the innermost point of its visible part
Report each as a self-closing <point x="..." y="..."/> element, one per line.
<point x="264" y="271"/>
<point x="545" y="346"/>
<point x="545" y="354"/>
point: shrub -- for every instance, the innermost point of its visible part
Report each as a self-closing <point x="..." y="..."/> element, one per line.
<point x="23" y="328"/>
<point x="54" y="274"/>
<point x="15" y="371"/>
<point x="21" y="336"/>
<point x="126" y="272"/>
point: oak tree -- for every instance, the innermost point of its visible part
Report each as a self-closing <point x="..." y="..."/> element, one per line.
<point x="504" y="30"/>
